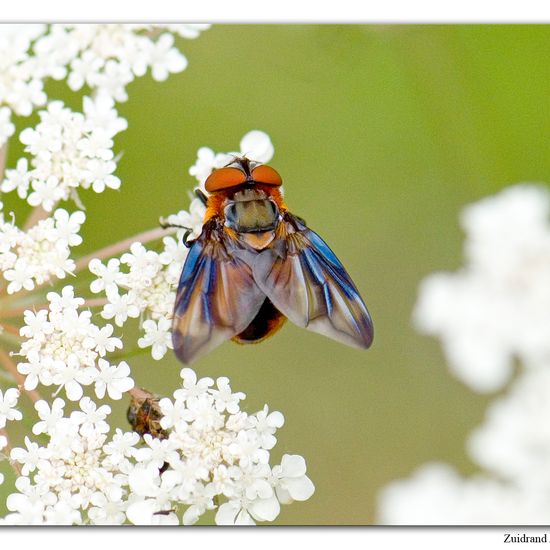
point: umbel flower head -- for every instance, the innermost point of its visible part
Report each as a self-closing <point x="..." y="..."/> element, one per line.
<point x="103" y="57"/>
<point x="195" y="453"/>
<point x="211" y="456"/>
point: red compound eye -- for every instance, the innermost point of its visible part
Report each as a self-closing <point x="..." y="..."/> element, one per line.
<point x="267" y="175"/>
<point x="224" y="178"/>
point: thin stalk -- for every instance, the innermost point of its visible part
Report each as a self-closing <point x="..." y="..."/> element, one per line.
<point x="35" y="216"/>
<point x="16" y="312"/>
<point x="106" y="252"/>
<point x="3" y="159"/>
<point x="10" y="329"/>
<point x="7" y="451"/>
<point x="122" y="246"/>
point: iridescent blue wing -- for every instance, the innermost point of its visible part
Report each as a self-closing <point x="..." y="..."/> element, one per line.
<point x="217" y="297"/>
<point x="308" y="284"/>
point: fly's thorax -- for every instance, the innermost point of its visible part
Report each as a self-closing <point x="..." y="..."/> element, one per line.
<point x="251" y="210"/>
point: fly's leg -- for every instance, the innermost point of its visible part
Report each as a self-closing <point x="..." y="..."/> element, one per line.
<point x="188" y="230"/>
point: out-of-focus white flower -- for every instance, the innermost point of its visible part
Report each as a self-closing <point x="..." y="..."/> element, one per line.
<point x="437" y="495"/>
<point x="497" y="307"/>
<point x="514" y="441"/>
<point x="493" y="312"/>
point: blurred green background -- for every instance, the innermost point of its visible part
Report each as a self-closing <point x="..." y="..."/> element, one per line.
<point x="382" y="134"/>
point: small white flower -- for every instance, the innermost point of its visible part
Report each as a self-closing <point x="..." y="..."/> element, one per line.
<point x="29" y="457"/>
<point x="266" y="424"/>
<point x="65" y="300"/>
<point x="48" y="416"/>
<point x="165" y="59"/>
<point x="100" y="175"/>
<point x="102" y="339"/>
<point x="120" y="308"/>
<point x="36" y="324"/>
<point x="158" y="336"/>
<point x="46" y="193"/>
<point x="192" y="387"/>
<point x="8" y="403"/>
<point x="205" y="163"/>
<point x="224" y="398"/>
<point x="291" y="482"/>
<point x="149" y="512"/>
<point x="68" y="226"/>
<point x="72" y="376"/>
<point x="18" y="178"/>
<point x="20" y="276"/>
<point x="109" y="276"/>
<point x="113" y="379"/>
<point x="106" y="511"/>
<point x="100" y="113"/>
<point x="91" y="418"/>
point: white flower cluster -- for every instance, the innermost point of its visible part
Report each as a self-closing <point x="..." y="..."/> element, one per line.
<point x="69" y="151"/>
<point x="104" y="57"/>
<point x="108" y="57"/>
<point x="146" y="287"/>
<point x="35" y="256"/>
<point x="65" y="349"/>
<point x="21" y="77"/>
<point x="207" y="454"/>
<point x="492" y="312"/>
<point x="497" y="307"/>
<point x="79" y="476"/>
<point x="213" y="451"/>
